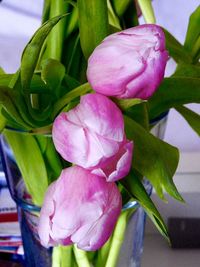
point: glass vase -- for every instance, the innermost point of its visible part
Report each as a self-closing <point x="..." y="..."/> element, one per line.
<point x="131" y="249"/>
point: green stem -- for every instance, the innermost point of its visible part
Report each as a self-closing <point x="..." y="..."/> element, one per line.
<point x="56" y="37"/>
<point x="147" y="10"/>
<point x="56" y="257"/>
<point x="81" y="257"/>
<point x="66" y="256"/>
<point x="62" y="256"/>
<point x="103" y="253"/>
<point x="117" y="240"/>
<point x="46" y="9"/>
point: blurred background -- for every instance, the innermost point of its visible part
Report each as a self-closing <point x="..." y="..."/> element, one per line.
<point x="18" y="21"/>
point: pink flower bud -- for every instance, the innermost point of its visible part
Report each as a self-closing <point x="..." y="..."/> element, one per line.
<point x="129" y="64"/>
<point x="80" y="208"/>
<point x="92" y="136"/>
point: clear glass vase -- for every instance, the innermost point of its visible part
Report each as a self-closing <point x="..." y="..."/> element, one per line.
<point x="37" y="256"/>
<point x="34" y="253"/>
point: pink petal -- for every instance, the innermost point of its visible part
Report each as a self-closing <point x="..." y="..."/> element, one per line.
<point x="118" y="166"/>
<point x="44" y="225"/>
<point x="99" y="114"/>
<point x="83" y="205"/>
<point x="129" y="64"/>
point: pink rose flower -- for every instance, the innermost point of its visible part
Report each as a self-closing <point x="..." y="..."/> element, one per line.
<point x="129" y="64"/>
<point x="80" y="208"/>
<point x="92" y="136"/>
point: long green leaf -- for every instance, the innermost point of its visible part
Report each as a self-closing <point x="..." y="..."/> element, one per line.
<point x="2" y="121"/>
<point x="31" y="164"/>
<point x="120" y="6"/>
<point x="5" y="79"/>
<point x="52" y="74"/>
<point x="32" y="50"/>
<point x="134" y="186"/>
<point x="172" y="92"/>
<point x="2" y="71"/>
<point x="187" y="70"/>
<point x="72" y="22"/>
<point x="9" y="101"/>
<point x="112" y="18"/>
<point x="50" y="156"/>
<point x="93" y="24"/>
<point x="67" y="98"/>
<point x="191" y="117"/>
<point x="176" y="49"/>
<point x="153" y="158"/>
<point x="193" y="32"/>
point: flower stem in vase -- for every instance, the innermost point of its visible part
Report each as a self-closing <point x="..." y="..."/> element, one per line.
<point x="56" y="256"/>
<point x="81" y="257"/>
<point x="117" y="240"/>
<point x="66" y="256"/>
<point x="62" y="256"/>
<point x="103" y="253"/>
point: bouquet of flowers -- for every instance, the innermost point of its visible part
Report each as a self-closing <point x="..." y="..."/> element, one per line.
<point x="78" y="114"/>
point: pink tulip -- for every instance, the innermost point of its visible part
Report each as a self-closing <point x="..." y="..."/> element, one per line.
<point x="80" y="208"/>
<point x="92" y="136"/>
<point x="129" y="64"/>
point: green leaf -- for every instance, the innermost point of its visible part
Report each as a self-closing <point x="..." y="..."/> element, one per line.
<point x="112" y="18"/>
<point x="74" y="55"/>
<point x="130" y="17"/>
<point x="191" y="117"/>
<point x="147" y="11"/>
<point x="72" y="22"/>
<point x="5" y="79"/>
<point x="15" y="105"/>
<point x="93" y="24"/>
<point x="187" y="70"/>
<point x="134" y="186"/>
<point x="193" y="31"/>
<point x="153" y="158"/>
<point x="38" y="86"/>
<point x="2" y="71"/>
<point x="32" y="50"/>
<point x="176" y="50"/>
<point x="172" y="92"/>
<point x="139" y="113"/>
<point x="10" y="100"/>
<point x="52" y="74"/>
<point x="124" y="104"/>
<point x="50" y="156"/>
<point x="70" y="82"/>
<point x="120" y="6"/>
<point x="67" y="98"/>
<point x="2" y="121"/>
<point x="31" y="165"/>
